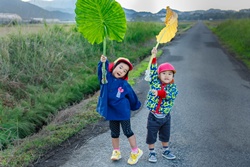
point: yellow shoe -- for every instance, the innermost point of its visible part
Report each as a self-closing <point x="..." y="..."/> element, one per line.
<point x="116" y="155"/>
<point x="133" y="159"/>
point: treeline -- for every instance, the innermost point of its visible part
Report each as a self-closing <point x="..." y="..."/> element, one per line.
<point x="214" y="14"/>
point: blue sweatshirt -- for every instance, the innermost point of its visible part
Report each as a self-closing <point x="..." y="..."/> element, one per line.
<point x="117" y="98"/>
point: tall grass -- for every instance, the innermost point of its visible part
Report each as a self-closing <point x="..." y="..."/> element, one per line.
<point x="236" y="34"/>
<point x="42" y="73"/>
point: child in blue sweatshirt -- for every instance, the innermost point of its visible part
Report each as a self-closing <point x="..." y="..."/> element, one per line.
<point x="116" y="100"/>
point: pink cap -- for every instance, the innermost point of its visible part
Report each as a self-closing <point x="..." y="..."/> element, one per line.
<point x="166" y="67"/>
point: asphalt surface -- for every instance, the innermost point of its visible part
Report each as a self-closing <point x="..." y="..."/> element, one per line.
<point x="210" y="119"/>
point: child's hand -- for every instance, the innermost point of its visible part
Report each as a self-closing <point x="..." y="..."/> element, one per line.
<point x="103" y="58"/>
<point x="155" y="92"/>
<point x="154" y="51"/>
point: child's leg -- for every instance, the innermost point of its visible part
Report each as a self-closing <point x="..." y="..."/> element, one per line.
<point x="126" y="127"/>
<point x="152" y="154"/>
<point x="164" y="131"/>
<point x="115" y="133"/>
<point x="116" y="143"/>
<point x="164" y="136"/>
<point x="151" y="146"/>
<point x="136" y="153"/>
<point x="153" y="128"/>
<point x="164" y="144"/>
<point x="116" y="154"/>
<point x="132" y="142"/>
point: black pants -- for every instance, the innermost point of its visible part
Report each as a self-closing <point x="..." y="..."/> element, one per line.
<point x="115" y="128"/>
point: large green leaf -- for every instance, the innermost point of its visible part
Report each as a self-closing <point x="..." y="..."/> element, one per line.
<point x="94" y="16"/>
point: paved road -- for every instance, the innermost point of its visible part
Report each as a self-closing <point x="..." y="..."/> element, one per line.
<point x="210" y="119"/>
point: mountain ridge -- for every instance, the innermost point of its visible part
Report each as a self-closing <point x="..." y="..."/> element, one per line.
<point x="27" y="11"/>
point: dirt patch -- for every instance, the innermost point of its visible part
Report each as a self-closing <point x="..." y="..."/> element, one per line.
<point x="60" y="154"/>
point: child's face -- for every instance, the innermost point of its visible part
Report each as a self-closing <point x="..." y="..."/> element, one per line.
<point x="166" y="76"/>
<point x="120" y="70"/>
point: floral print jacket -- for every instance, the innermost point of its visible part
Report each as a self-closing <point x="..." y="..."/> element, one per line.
<point x="155" y="83"/>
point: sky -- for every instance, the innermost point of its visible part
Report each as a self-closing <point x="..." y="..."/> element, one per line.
<point x="155" y="6"/>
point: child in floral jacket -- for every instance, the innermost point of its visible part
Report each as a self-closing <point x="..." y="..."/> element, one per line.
<point x="160" y="101"/>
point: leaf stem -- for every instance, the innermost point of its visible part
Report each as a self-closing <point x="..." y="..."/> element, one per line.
<point x="104" y="72"/>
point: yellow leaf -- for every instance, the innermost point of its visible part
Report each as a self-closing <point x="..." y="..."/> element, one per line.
<point x="168" y="14"/>
<point x="168" y="32"/>
<point x="165" y="35"/>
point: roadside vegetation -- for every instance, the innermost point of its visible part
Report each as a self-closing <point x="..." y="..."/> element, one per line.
<point x="44" y="72"/>
<point x="235" y="36"/>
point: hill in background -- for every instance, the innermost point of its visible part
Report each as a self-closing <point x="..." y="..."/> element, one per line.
<point x="29" y="11"/>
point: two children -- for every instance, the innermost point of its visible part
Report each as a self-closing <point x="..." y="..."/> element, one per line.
<point x="117" y="98"/>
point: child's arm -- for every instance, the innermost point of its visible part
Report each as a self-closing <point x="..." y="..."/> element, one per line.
<point x="172" y="92"/>
<point x="160" y="93"/>
<point x="153" y="67"/>
<point x="154" y="52"/>
<point x="135" y="104"/>
<point x="102" y="59"/>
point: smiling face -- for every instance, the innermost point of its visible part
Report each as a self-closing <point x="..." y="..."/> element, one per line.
<point x="120" y="70"/>
<point x="166" y="76"/>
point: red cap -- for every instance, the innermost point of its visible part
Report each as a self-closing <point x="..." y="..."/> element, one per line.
<point x="120" y="59"/>
<point x="166" y="67"/>
<point x="125" y="60"/>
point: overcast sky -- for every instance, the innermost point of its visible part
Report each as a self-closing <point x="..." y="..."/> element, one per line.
<point x="185" y="5"/>
<point x="156" y="5"/>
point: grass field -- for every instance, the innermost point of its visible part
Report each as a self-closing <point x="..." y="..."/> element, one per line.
<point x="25" y="28"/>
<point x="235" y="36"/>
